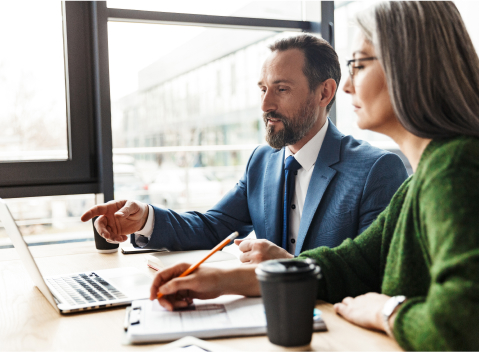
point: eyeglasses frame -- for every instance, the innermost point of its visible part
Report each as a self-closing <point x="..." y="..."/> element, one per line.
<point x="350" y="67"/>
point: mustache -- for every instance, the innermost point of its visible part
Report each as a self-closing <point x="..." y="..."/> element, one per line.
<point x="273" y="115"/>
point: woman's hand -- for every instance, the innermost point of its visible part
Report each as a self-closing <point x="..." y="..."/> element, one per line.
<point x="364" y="310"/>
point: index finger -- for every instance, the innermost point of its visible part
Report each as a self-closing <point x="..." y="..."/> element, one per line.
<point x="97" y="210"/>
<point x="166" y="275"/>
<point x="102" y="209"/>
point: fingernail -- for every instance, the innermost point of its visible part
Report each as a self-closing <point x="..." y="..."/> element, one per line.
<point x="120" y="213"/>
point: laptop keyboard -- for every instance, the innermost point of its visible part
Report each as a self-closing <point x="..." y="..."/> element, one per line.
<point x="83" y="288"/>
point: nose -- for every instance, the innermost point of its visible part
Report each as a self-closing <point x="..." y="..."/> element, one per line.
<point x="268" y="101"/>
<point x="348" y="86"/>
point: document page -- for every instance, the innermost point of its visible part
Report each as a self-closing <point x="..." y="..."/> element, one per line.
<point x="241" y="312"/>
<point x="224" y="316"/>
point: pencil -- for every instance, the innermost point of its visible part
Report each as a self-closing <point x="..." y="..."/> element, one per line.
<point x="213" y="251"/>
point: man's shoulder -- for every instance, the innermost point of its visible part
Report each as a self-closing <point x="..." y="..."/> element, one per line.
<point x="356" y="149"/>
<point x="263" y="152"/>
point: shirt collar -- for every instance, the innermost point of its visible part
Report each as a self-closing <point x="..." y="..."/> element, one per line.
<point x="307" y="155"/>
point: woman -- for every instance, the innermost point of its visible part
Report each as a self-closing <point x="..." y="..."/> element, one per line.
<point x="414" y="77"/>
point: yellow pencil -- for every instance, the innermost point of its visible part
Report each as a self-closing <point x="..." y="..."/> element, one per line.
<point x="213" y="251"/>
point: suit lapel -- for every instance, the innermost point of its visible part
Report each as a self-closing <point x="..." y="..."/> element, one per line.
<point x="320" y="179"/>
<point x="273" y="197"/>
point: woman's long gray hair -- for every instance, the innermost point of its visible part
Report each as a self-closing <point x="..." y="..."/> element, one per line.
<point x="432" y="69"/>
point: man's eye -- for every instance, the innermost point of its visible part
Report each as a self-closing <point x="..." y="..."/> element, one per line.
<point x="358" y="67"/>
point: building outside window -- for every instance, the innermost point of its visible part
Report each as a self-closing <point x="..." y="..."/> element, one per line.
<point x="196" y="96"/>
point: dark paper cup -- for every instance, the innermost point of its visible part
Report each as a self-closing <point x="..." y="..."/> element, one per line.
<point x="101" y="244"/>
<point x="289" y="289"/>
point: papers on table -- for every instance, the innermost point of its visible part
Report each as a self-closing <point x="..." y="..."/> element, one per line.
<point x="147" y="321"/>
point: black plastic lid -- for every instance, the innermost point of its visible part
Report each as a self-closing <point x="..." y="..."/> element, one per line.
<point x="286" y="269"/>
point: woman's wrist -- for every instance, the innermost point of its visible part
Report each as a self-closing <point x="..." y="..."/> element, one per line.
<point x="389" y="313"/>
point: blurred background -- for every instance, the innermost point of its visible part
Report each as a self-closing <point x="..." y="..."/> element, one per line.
<point x="185" y="105"/>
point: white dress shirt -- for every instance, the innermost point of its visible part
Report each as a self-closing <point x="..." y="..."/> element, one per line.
<point x="306" y="156"/>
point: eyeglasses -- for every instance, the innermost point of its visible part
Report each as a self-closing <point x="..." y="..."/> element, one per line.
<point x="353" y="69"/>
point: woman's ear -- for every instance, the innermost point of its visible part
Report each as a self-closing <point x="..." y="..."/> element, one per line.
<point x="325" y="92"/>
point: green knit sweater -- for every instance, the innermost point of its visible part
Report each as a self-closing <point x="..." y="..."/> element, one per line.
<point x="424" y="245"/>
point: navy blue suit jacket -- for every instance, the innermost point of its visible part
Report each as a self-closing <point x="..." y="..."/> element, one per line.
<point x="352" y="182"/>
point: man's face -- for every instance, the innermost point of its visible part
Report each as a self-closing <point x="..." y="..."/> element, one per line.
<point x="289" y="107"/>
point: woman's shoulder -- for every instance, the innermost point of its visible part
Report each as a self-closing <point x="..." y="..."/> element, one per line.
<point x="450" y="155"/>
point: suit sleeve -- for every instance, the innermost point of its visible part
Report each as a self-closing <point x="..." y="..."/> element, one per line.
<point x="384" y="179"/>
<point x="195" y="230"/>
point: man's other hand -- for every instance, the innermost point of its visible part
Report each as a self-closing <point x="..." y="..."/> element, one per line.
<point x="257" y="251"/>
<point x="117" y="219"/>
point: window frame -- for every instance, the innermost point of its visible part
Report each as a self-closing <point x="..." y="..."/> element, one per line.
<point x="79" y="174"/>
<point x="89" y="168"/>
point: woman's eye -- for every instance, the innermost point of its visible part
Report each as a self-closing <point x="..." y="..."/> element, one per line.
<point x="358" y="67"/>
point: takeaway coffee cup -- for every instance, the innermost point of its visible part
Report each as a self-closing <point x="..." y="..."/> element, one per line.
<point x="289" y="290"/>
<point x="101" y="244"/>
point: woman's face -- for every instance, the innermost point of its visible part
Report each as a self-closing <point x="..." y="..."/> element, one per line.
<point x="368" y="90"/>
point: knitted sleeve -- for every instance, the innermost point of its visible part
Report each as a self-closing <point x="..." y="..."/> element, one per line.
<point x="447" y="318"/>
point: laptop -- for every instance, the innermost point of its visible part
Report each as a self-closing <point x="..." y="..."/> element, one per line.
<point x="79" y="291"/>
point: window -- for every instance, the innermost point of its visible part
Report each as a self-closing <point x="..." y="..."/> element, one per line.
<point x="197" y="99"/>
<point x="468" y="9"/>
<point x="49" y="161"/>
<point x="32" y="83"/>
<point x="117" y="104"/>
<point x="48" y="143"/>
<point x="345" y="30"/>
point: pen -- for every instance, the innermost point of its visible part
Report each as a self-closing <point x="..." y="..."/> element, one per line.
<point x="213" y="251"/>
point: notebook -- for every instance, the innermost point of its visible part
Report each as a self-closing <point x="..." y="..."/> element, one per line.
<point x="146" y="321"/>
<point x="162" y="260"/>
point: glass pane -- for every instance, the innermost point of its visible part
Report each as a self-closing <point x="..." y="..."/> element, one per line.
<point x="281" y="10"/>
<point x="469" y="10"/>
<point x="186" y="111"/>
<point x="345" y="31"/>
<point x="32" y="82"/>
<point x="45" y="220"/>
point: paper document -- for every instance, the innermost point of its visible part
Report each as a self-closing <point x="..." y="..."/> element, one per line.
<point x="224" y="316"/>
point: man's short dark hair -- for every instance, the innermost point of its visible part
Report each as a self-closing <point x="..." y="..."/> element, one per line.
<point x="321" y="61"/>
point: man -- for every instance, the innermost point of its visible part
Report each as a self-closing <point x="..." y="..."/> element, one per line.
<point x="332" y="189"/>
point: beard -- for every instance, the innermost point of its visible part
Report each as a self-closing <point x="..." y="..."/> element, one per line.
<point x="294" y="128"/>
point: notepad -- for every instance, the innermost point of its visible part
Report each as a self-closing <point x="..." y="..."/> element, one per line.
<point x="146" y="321"/>
<point x="162" y="260"/>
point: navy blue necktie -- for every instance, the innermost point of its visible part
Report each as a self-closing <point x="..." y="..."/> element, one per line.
<point x="291" y="167"/>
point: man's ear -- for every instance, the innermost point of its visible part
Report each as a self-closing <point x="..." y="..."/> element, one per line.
<point x="325" y="92"/>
